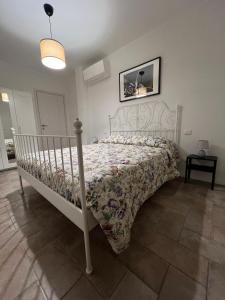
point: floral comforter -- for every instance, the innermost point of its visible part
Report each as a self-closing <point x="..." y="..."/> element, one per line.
<point x="120" y="175"/>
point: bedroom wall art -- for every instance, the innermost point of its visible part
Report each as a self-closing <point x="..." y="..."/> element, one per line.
<point x="140" y="81"/>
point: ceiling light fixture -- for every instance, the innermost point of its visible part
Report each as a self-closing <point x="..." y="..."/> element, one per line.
<point x="52" y="51"/>
<point x="4" y="97"/>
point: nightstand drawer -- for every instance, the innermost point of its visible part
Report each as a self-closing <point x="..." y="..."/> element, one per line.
<point x="201" y="168"/>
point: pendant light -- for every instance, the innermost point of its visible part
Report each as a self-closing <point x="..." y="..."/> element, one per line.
<point x="4" y="97"/>
<point x="52" y="51"/>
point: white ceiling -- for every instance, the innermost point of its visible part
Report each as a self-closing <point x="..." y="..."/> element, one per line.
<point x="89" y="29"/>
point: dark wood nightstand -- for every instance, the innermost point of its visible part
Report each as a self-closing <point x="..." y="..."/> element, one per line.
<point x="200" y="167"/>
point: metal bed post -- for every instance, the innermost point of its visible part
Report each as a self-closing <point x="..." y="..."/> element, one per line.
<point x="78" y="132"/>
<point x="15" y="140"/>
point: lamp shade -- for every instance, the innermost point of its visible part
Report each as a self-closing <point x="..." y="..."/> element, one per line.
<point x="203" y="147"/>
<point x="52" y="54"/>
<point x="203" y="144"/>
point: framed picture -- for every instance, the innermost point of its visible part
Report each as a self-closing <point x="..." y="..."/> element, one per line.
<point x="140" y="81"/>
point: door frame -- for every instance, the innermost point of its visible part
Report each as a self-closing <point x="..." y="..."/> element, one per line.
<point x="37" y="112"/>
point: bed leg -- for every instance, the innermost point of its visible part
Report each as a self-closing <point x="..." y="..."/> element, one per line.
<point x="89" y="268"/>
<point x="21" y="184"/>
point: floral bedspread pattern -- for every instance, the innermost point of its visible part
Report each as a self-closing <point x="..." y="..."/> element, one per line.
<point x="120" y="175"/>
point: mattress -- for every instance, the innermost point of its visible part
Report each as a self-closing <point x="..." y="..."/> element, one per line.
<point x="120" y="175"/>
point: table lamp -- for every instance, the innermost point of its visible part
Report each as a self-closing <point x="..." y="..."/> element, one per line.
<point x="203" y="147"/>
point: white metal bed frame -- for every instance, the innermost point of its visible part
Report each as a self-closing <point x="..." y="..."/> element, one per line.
<point x="149" y="118"/>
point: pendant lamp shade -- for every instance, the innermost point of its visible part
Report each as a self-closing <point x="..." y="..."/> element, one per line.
<point x="52" y="54"/>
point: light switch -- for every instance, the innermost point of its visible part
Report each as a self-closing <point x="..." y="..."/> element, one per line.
<point x="188" y="132"/>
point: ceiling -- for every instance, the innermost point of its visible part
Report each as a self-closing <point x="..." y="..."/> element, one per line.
<point x="89" y="29"/>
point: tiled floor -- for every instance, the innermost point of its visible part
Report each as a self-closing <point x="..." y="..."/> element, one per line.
<point x="177" y="249"/>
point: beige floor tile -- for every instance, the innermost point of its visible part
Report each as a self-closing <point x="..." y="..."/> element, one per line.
<point x="15" y="274"/>
<point x="181" y="257"/>
<point x="4" y="217"/>
<point x="4" y="204"/>
<point x="3" y="210"/>
<point x="7" y="235"/>
<point x="22" y="215"/>
<point x="34" y="243"/>
<point x="208" y="248"/>
<point x="219" y="235"/>
<point x="217" y="196"/>
<point x="151" y="211"/>
<point x="194" y="188"/>
<point x="29" y="229"/>
<point x="132" y="254"/>
<point x="216" y="282"/>
<point x="170" y="224"/>
<point x="176" y="202"/>
<point x="178" y="286"/>
<point x="56" y="272"/>
<point x="82" y="290"/>
<point x="33" y="292"/>
<point x="200" y="222"/>
<point x="5" y="225"/>
<point x="218" y="217"/>
<point x="108" y="271"/>
<point x="133" y="288"/>
<point x="69" y="240"/>
<point x="11" y="244"/>
<point x="145" y="264"/>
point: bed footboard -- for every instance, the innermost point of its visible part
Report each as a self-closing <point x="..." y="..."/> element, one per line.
<point x="38" y="163"/>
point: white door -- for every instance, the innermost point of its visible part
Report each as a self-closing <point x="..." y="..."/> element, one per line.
<point x="51" y="113"/>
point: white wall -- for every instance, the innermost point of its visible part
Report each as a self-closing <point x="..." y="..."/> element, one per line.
<point x="23" y="79"/>
<point x="192" y="48"/>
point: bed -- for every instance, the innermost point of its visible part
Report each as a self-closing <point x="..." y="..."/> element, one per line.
<point x="104" y="183"/>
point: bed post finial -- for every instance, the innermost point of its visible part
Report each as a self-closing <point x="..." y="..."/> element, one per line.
<point x="13" y="130"/>
<point x="78" y="126"/>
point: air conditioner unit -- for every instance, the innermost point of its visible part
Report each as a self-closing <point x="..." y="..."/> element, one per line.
<point x="96" y="72"/>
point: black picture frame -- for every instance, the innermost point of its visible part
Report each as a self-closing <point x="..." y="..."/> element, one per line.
<point x="131" y="85"/>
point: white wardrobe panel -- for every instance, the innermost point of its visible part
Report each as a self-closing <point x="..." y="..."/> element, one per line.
<point x="3" y="153"/>
<point x="6" y="135"/>
<point x="24" y="112"/>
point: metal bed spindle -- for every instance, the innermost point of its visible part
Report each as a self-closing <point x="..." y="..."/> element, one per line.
<point x="43" y="153"/>
<point x="62" y="158"/>
<point x="49" y="162"/>
<point x="31" y="153"/>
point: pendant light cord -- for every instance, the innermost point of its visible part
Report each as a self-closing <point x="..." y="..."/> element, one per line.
<point x="50" y="24"/>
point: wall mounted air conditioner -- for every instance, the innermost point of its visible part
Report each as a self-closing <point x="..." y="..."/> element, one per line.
<point x="96" y="72"/>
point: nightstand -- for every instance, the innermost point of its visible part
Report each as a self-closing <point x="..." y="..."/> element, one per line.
<point x="201" y="167"/>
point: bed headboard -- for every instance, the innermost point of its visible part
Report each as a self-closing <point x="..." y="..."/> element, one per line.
<point x="149" y="118"/>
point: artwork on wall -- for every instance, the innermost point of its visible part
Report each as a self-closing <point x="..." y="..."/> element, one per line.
<point x="140" y="81"/>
